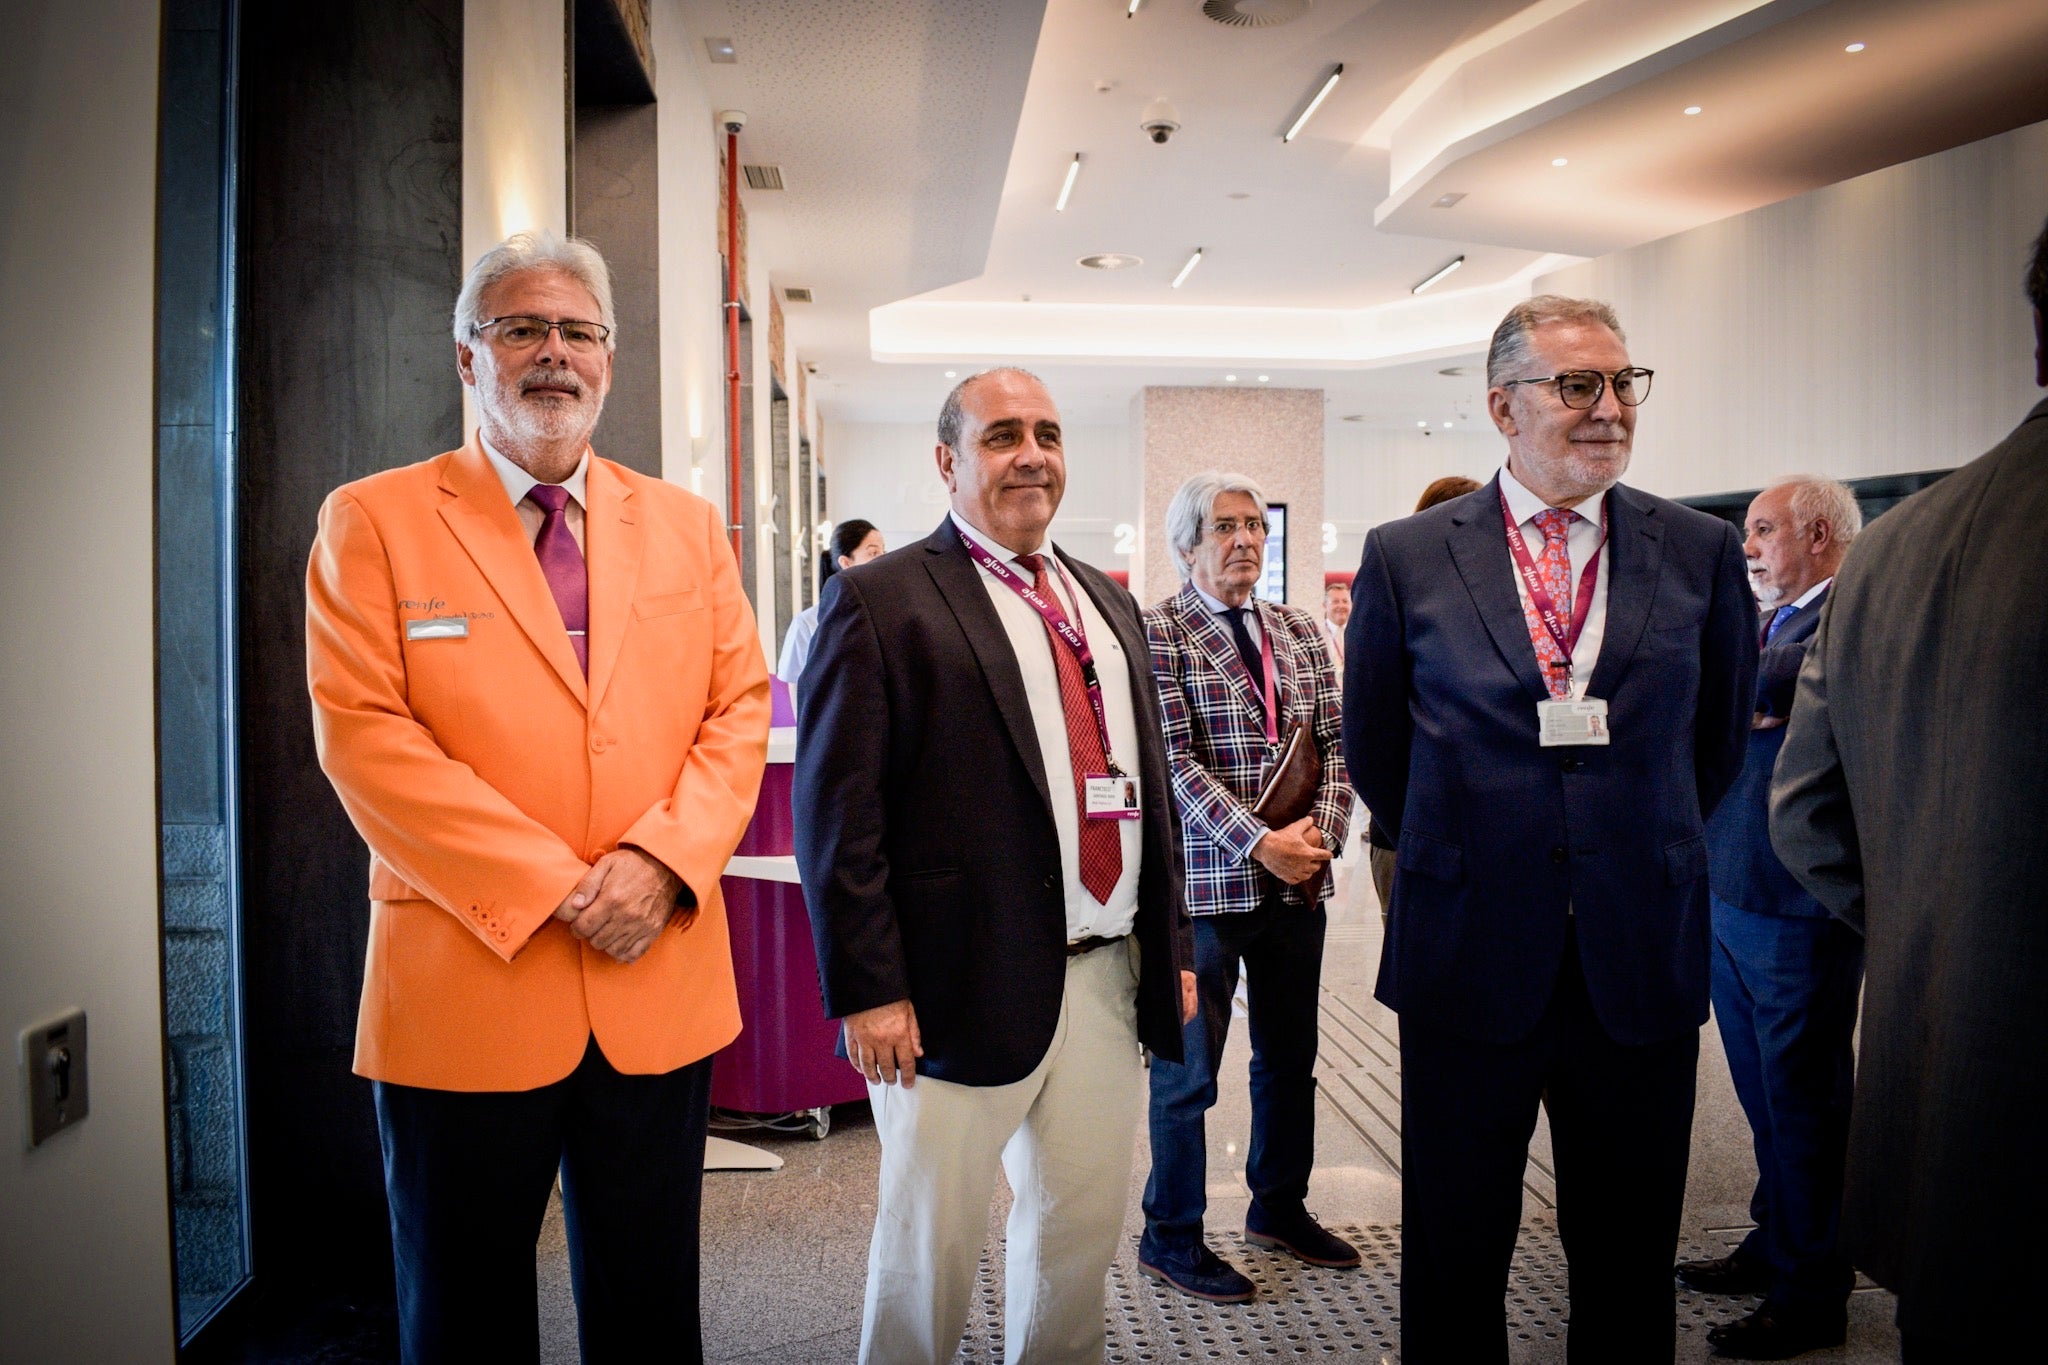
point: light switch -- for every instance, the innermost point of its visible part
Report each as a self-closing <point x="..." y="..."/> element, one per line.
<point x="54" y="1070"/>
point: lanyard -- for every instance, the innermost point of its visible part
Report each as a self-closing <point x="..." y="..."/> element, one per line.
<point x="1272" y="697"/>
<point x="1567" y="638"/>
<point x="1070" y="633"/>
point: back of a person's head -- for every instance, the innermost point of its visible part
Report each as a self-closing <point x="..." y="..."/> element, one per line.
<point x="1444" y="489"/>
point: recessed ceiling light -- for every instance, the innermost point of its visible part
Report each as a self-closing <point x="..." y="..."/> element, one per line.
<point x="1265" y="378"/>
<point x="1853" y="47"/>
<point x="1314" y="104"/>
<point x="1691" y="109"/>
<point x="1067" y="186"/>
<point x="1187" y="269"/>
<point x="951" y="373"/>
<point x="1443" y="424"/>
<point x="1423" y="425"/>
<point x="1107" y="260"/>
<point x="1230" y="379"/>
<point x="1559" y="161"/>
<point x="1448" y="201"/>
<point x="720" y="50"/>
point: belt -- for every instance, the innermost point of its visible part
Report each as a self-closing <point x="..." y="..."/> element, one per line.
<point x="1091" y="943"/>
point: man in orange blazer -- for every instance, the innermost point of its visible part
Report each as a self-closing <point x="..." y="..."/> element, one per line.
<point x="538" y="691"/>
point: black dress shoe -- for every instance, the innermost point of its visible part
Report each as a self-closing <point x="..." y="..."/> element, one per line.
<point x="1770" y="1335"/>
<point x="1734" y="1273"/>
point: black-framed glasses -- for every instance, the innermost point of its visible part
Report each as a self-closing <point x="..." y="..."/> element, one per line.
<point x="1582" y="388"/>
<point x="523" y="333"/>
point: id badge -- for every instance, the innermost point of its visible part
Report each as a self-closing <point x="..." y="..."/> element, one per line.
<point x="1572" y="722"/>
<point x="1110" y="796"/>
<point x="438" y="628"/>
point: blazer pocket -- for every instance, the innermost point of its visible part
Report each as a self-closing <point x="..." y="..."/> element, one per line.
<point x="926" y="874"/>
<point x="1685" y="860"/>
<point x="1431" y="857"/>
<point x="386" y="885"/>
<point x="667" y="604"/>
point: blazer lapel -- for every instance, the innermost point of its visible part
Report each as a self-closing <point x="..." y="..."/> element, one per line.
<point x="1479" y="548"/>
<point x="1635" y="554"/>
<point x="1215" y="640"/>
<point x="482" y="520"/>
<point x="613" y="538"/>
<point x="959" y="583"/>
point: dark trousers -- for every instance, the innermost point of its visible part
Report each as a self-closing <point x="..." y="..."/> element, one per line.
<point x="1621" y="1130"/>
<point x="1785" y="993"/>
<point x="468" y="1177"/>
<point x="1281" y="947"/>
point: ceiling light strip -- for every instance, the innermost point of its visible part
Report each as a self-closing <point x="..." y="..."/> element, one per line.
<point x="1314" y="104"/>
<point x="1073" y="169"/>
<point x="1132" y="12"/>
<point x="1454" y="263"/>
<point x="1188" y="269"/>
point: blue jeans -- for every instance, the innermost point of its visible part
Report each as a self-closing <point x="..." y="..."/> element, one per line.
<point x="1281" y="947"/>
<point x="1785" y="992"/>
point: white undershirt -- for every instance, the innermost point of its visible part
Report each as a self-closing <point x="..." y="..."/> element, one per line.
<point x="1580" y="542"/>
<point x="1033" y="648"/>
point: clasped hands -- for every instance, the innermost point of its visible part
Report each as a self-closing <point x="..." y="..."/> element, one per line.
<point x="622" y="904"/>
<point x="1294" y="852"/>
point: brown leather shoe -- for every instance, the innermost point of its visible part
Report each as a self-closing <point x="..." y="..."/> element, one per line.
<point x="1768" y="1335"/>
<point x="1734" y="1273"/>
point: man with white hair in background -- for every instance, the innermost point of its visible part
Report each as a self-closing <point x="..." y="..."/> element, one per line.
<point x="1237" y="676"/>
<point x="1786" y="974"/>
<point x="538" y="691"/>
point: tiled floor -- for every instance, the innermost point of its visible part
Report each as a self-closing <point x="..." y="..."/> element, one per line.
<point x="785" y="1252"/>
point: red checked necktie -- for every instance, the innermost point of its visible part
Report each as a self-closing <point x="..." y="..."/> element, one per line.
<point x="1102" y="846"/>
<point x="1554" y="563"/>
<point x="561" y="562"/>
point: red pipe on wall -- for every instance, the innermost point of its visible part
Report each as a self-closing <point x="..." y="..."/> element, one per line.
<point x="733" y="504"/>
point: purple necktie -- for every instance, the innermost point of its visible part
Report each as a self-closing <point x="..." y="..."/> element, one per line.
<point x="561" y="563"/>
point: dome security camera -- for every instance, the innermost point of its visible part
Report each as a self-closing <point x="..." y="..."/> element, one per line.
<point x="732" y="120"/>
<point x="1160" y="121"/>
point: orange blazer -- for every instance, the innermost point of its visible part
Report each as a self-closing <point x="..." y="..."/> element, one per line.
<point x="487" y="775"/>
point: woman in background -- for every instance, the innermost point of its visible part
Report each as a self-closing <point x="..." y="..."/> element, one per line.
<point x="853" y="542"/>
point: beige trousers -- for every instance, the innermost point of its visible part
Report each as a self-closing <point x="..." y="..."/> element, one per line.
<point x="1064" y="1135"/>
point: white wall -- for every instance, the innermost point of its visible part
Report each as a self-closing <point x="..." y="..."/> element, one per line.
<point x="692" y="330"/>
<point x="1872" y="327"/>
<point x="84" y="1220"/>
<point x="1373" y="475"/>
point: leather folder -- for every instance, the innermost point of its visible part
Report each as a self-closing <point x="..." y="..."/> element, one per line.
<point x="1290" y="793"/>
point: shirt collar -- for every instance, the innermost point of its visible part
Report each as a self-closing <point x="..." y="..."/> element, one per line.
<point x="1524" y="505"/>
<point x="1217" y="604"/>
<point x="996" y="548"/>
<point x="518" y="483"/>
<point x="1811" y="593"/>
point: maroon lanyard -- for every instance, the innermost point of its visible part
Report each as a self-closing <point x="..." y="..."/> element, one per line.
<point x="1070" y="633"/>
<point x="1567" y="637"/>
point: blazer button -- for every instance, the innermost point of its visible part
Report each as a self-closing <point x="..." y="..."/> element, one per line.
<point x="1558" y="855"/>
<point x="1052" y="881"/>
<point x="597" y="743"/>
<point x="1572" y="765"/>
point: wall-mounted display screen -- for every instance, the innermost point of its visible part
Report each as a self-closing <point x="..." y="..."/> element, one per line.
<point x="1273" y="582"/>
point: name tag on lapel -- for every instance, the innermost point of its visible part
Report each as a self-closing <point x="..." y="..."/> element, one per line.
<point x="438" y="628"/>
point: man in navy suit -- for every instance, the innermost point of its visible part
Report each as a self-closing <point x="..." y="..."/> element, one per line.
<point x="987" y="845"/>
<point x="1786" y="973"/>
<point x="1548" y="686"/>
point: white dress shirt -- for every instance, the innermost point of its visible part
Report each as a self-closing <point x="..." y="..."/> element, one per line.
<point x="1033" y="648"/>
<point x="796" y="647"/>
<point x="1221" y="610"/>
<point x="1582" y="540"/>
<point x="518" y="483"/>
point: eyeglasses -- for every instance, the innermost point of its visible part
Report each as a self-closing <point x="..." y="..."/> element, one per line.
<point x="1582" y="388"/>
<point x="522" y="333"/>
<point x="1229" y="526"/>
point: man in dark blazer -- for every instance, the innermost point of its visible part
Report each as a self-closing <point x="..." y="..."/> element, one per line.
<point x="1911" y="798"/>
<point x="1786" y="974"/>
<point x="1541" y="717"/>
<point x="988" y="849"/>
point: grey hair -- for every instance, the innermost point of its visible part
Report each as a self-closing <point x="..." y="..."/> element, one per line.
<point x="575" y="257"/>
<point x="1511" y="349"/>
<point x="1818" y="497"/>
<point x="952" y="415"/>
<point x="1193" y="503"/>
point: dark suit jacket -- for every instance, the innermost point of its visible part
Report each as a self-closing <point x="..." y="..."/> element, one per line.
<point x="924" y="826"/>
<point x="1497" y="836"/>
<point x="1742" y="867"/>
<point x="1911" y="797"/>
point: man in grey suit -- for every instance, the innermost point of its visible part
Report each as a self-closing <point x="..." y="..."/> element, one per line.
<point x="1911" y="798"/>
<point x="1785" y="972"/>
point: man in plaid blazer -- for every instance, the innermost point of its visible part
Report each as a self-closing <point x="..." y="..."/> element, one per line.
<point x="1235" y="677"/>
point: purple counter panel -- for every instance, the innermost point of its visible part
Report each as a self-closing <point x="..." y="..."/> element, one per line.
<point x="772" y="833"/>
<point x="783" y="1059"/>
